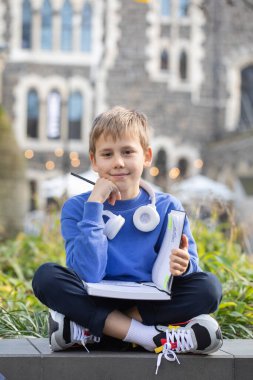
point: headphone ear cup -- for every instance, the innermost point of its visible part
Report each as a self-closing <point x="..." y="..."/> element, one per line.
<point x="113" y="225"/>
<point x="146" y="218"/>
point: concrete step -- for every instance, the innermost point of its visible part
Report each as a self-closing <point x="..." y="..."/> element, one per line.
<point x="31" y="359"/>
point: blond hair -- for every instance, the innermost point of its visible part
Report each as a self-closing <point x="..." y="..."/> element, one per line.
<point x="117" y="122"/>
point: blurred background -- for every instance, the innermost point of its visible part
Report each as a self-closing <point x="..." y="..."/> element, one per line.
<point x="188" y="65"/>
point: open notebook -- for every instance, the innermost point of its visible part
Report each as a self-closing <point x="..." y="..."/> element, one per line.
<point x="160" y="287"/>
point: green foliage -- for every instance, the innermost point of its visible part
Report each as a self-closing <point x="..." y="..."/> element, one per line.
<point x="21" y="314"/>
<point x="19" y="258"/>
<point x="20" y="311"/>
<point x="220" y="254"/>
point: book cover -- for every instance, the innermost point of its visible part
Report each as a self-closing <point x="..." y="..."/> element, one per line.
<point x="161" y="275"/>
<point x="126" y="290"/>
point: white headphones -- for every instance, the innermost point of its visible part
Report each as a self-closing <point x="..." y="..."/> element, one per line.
<point x="145" y="218"/>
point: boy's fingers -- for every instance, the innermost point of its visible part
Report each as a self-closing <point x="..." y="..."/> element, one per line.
<point x="175" y="253"/>
<point x="184" y="242"/>
<point x="114" y="196"/>
<point x="118" y="195"/>
<point x="179" y="259"/>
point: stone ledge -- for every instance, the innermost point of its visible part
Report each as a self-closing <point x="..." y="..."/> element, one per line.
<point x="31" y="359"/>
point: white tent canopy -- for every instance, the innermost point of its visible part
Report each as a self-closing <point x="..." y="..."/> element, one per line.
<point x="200" y="187"/>
<point x="67" y="184"/>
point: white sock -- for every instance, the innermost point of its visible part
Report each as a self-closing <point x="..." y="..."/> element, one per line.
<point x="142" y="335"/>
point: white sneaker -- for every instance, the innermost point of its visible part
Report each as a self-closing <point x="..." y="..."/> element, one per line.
<point x="64" y="333"/>
<point x="200" y="335"/>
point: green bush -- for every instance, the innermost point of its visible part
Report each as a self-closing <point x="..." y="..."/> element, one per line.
<point x="22" y="314"/>
<point x="220" y="254"/>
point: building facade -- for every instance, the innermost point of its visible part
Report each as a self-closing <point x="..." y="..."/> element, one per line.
<point x="187" y="64"/>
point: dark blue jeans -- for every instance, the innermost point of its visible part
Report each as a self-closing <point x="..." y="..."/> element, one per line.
<point x="60" y="289"/>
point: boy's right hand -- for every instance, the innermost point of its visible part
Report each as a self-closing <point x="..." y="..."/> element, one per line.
<point x="103" y="190"/>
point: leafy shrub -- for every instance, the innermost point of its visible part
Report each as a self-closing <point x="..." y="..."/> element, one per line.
<point x="220" y="254"/>
<point x="20" y="312"/>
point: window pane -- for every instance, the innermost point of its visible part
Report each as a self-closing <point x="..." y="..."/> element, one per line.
<point x="46" y="26"/>
<point x="246" y="117"/>
<point x="26" y="24"/>
<point x="165" y="8"/>
<point x="183" y="8"/>
<point x="161" y="162"/>
<point x="54" y="115"/>
<point x="75" y="113"/>
<point x="33" y="195"/>
<point x="183" y="65"/>
<point x="32" y="114"/>
<point x="86" y="28"/>
<point x="66" y="26"/>
<point x="164" y="60"/>
<point x="183" y="167"/>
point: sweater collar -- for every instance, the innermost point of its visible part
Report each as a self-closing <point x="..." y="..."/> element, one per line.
<point x="141" y="199"/>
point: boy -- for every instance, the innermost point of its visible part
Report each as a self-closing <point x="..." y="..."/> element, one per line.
<point x="119" y="151"/>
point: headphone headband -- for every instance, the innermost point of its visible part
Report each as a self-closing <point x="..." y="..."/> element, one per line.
<point x="149" y="190"/>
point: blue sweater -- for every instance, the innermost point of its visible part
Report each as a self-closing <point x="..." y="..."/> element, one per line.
<point x="131" y="254"/>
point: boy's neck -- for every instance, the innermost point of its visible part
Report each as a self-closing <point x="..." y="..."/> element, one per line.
<point x="128" y="195"/>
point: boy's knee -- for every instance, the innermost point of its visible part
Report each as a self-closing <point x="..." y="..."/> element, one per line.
<point x="212" y="291"/>
<point x="44" y="277"/>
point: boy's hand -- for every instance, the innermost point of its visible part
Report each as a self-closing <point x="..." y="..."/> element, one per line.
<point x="180" y="258"/>
<point x="103" y="190"/>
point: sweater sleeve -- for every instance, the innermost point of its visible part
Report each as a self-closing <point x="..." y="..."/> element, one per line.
<point x="85" y="243"/>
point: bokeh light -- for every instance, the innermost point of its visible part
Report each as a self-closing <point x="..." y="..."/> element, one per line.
<point x="50" y="165"/>
<point x="59" y="152"/>
<point x="174" y="173"/>
<point x="29" y="153"/>
<point x="154" y="171"/>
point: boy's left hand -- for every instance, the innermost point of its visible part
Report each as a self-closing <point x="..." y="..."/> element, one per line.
<point x="180" y="258"/>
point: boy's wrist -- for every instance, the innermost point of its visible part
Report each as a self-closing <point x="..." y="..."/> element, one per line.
<point x="94" y="199"/>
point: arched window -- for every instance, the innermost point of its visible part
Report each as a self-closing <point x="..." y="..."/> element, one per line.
<point x="66" y="26"/>
<point x="183" y="8"/>
<point x="246" y="116"/>
<point x="165" y="8"/>
<point x="75" y="114"/>
<point x="46" y="26"/>
<point x="183" y="66"/>
<point x="183" y="166"/>
<point x="164" y="60"/>
<point x="54" y="115"/>
<point x="26" y="25"/>
<point x="161" y="164"/>
<point x="32" y="123"/>
<point x="86" y="28"/>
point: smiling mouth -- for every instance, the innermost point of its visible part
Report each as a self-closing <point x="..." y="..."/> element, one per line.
<point x="119" y="175"/>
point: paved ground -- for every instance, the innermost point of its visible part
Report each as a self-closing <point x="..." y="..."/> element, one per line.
<point x="31" y="359"/>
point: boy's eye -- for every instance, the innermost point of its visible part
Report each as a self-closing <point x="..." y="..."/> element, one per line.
<point x="127" y="152"/>
<point x="107" y="154"/>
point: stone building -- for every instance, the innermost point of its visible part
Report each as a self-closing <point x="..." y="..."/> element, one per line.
<point x="187" y="64"/>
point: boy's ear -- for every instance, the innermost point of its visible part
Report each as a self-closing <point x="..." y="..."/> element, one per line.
<point x="93" y="161"/>
<point x="148" y="155"/>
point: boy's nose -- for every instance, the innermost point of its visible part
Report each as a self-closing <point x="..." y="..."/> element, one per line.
<point x="118" y="161"/>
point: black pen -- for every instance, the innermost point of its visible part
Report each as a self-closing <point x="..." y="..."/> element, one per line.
<point x="84" y="179"/>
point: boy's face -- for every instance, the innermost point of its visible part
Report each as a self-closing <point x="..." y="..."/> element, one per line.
<point x="122" y="162"/>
